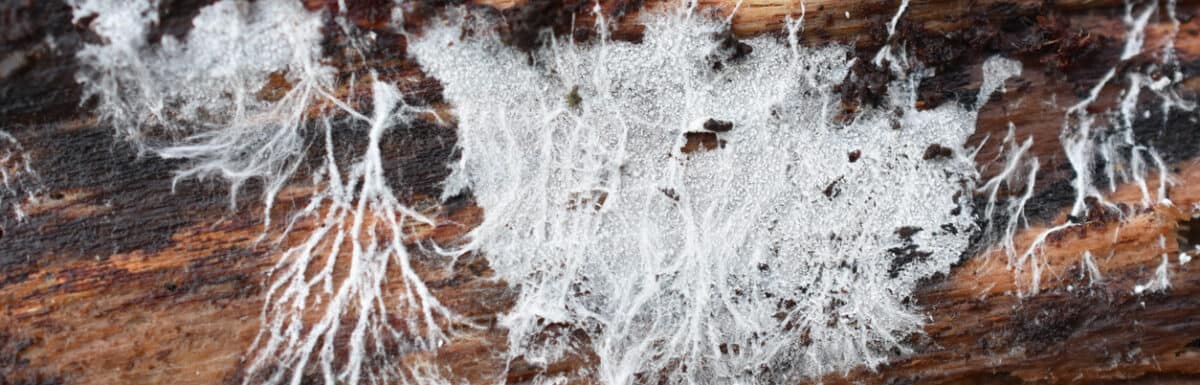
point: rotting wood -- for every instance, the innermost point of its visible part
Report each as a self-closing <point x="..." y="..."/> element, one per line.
<point x="114" y="278"/>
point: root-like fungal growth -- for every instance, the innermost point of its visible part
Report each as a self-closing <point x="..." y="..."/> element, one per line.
<point x="1010" y="178"/>
<point x="1107" y="140"/>
<point x="360" y="211"/>
<point x="764" y="257"/>
<point x="333" y="298"/>
<point x="1161" y="280"/>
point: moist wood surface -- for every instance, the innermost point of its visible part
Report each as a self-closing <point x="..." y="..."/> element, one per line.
<point x="116" y="277"/>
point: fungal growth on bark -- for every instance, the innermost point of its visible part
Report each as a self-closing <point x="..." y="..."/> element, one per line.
<point x="750" y="252"/>
<point x="18" y="180"/>
<point x="198" y="100"/>
<point x="687" y="207"/>
<point x="1102" y="149"/>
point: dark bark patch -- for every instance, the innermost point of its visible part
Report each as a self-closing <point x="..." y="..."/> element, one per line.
<point x="937" y="151"/>
<point x="903" y="256"/>
<point x="1039" y="36"/>
<point x="1188" y="234"/>
<point x="175" y="18"/>
<point x="718" y="125"/>
<point x="906" y="233"/>
<point x="701" y="141"/>
<point x="729" y="50"/>
<point x="527" y="25"/>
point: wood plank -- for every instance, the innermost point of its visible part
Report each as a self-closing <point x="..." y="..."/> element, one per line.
<point x="115" y="277"/>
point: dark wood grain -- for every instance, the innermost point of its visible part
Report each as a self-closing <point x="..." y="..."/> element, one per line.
<point x="115" y="277"/>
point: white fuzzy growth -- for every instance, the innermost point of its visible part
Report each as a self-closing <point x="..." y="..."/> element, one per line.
<point x="1136" y="35"/>
<point x="1011" y="178"/>
<point x="995" y="71"/>
<point x="357" y="209"/>
<point x="701" y="268"/>
<point x="1161" y="281"/>
<point x="1079" y="145"/>
<point x="19" y="182"/>
<point x="199" y="94"/>
<point x="327" y="310"/>
<point x="723" y="283"/>
<point x="891" y="26"/>
<point x="1091" y="268"/>
<point x="1109" y="139"/>
<point x="1087" y="138"/>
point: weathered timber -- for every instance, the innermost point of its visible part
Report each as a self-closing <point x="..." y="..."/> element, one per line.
<point x="116" y="277"/>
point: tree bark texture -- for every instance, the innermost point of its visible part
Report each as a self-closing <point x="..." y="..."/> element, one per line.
<point x="119" y="276"/>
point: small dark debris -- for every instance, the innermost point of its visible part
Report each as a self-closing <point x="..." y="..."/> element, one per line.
<point x="907" y="232"/>
<point x="949" y="228"/>
<point x="729" y="50"/>
<point x="903" y="256"/>
<point x="897" y="117"/>
<point x="595" y="200"/>
<point x="727" y="348"/>
<point x="670" y="193"/>
<point x="701" y="141"/>
<point x="718" y="125"/>
<point x="854" y="155"/>
<point x="1097" y="212"/>
<point x="937" y="151"/>
<point x="1188" y="234"/>
<point x="904" y="380"/>
<point x="573" y="98"/>
<point x="865" y="83"/>
<point x="833" y="189"/>
<point x="1041" y="328"/>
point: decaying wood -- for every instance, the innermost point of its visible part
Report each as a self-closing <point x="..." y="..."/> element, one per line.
<point x="117" y="277"/>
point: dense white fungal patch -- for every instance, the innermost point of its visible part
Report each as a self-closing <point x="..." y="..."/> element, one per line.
<point x="764" y="259"/>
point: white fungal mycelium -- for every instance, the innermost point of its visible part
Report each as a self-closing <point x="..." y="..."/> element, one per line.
<point x="769" y="257"/>
<point x="764" y="253"/>
<point x="1106" y="139"/>
<point x="19" y="182"/>
<point x="196" y="100"/>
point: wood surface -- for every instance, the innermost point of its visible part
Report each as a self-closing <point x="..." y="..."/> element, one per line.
<point x="116" y="277"/>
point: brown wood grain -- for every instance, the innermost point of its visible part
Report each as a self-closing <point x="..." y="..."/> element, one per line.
<point x="117" y="278"/>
